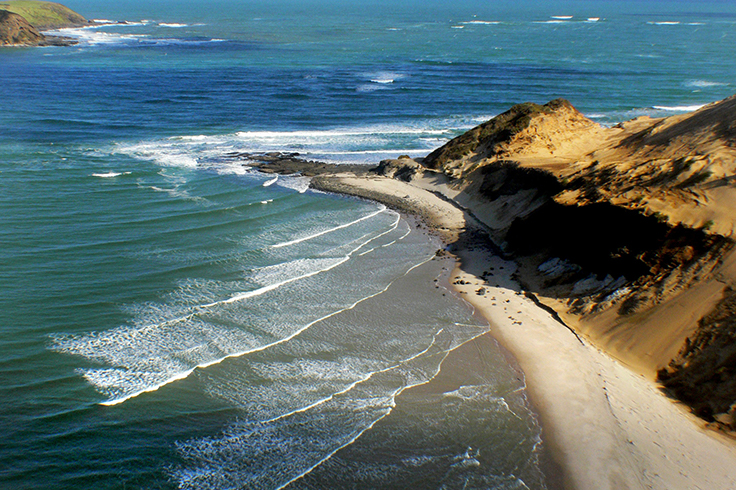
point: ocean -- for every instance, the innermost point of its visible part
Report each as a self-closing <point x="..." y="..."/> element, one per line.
<point x="170" y="318"/>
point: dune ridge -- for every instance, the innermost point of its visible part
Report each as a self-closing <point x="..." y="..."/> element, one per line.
<point x="626" y="232"/>
<point x="603" y="258"/>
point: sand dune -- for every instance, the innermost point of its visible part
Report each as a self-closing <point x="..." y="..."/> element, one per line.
<point x="607" y="427"/>
<point x="599" y="255"/>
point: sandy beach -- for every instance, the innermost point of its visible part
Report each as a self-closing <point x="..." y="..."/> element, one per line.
<point x="605" y="426"/>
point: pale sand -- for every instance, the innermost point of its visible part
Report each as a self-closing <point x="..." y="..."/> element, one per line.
<point x="607" y="427"/>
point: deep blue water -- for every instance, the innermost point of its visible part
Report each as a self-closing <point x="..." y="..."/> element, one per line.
<point x="169" y="318"/>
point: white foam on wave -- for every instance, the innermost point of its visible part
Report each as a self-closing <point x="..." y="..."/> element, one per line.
<point x="108" y="175"/>
<point x="384" y="77"/>
<point x="664" y="23"/>
<point x="97" y="35"/>
<point x="364" y="377"/>
<point x="92" y="37"/>
<point x="330" y="230"/>
<point x="326" y="265"/>
<point x="360" y="144"/>
<point x="147" y="357"/>
<point x="324" y="134"/>
<point x="481" y="22"/>
<point x="705" y="84"/>
<point x="679" y="108"/>
<point x="271" y="182"/>
<point x="294" y="269"/>
<point x="593" y="19"/>
<point x="295" y="183"/>
<point x="340" y="419"/>
<point x="389" y="401"/>
<point x="166" y="154"/>
<point x="561" y="17"/>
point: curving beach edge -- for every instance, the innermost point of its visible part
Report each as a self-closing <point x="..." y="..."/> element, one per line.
<point x="605" y="426"/>
<point x="606" y="421"/>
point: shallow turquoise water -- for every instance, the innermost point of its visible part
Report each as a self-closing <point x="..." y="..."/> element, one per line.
<point x="169" y="318"/>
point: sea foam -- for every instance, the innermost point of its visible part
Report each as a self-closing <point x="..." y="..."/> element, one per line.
<point x="361" y="144"/>
<point x="144" y="358"/>
<point x="705" y="84"/>
<point x="107" y="175"/>
<point x="481" y="22"/>
<point x="679" y="108"/>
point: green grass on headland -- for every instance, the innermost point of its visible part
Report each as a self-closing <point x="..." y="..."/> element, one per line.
<point x="44" y="15"/>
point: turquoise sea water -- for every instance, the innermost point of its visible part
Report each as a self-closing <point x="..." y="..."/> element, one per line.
<point x="169" y="318"/>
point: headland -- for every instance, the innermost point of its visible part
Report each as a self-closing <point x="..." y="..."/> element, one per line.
<point x="22" y="23"/>
<point x="602" y="258"/>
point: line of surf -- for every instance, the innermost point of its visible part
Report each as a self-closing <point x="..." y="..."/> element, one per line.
<point x="408" y="232"/>
<point x="679" y="108"/>
<point x="185" y="374"/>
<point x="258" y="292"/>
<point x="250" y="294"/>
<point x="330" y="230"/>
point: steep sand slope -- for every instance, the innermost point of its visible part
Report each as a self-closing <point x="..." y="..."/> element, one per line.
<point x="624" y="231"/>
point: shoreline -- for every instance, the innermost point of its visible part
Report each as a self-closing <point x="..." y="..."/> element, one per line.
<point x="603" y="426"/>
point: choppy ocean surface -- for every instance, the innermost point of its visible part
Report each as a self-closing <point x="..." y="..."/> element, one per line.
<point x="170" y="318"/>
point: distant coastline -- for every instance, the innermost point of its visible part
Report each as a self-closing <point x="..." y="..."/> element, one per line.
<point x="23" y="22"/>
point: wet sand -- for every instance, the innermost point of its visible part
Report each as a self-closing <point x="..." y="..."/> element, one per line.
<point x="605" y="426"/>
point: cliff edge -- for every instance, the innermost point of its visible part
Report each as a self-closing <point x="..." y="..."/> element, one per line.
<point x="15" y="30"/>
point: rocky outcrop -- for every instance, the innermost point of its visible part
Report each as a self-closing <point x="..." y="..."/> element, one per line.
<point x="15" y="30"/>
